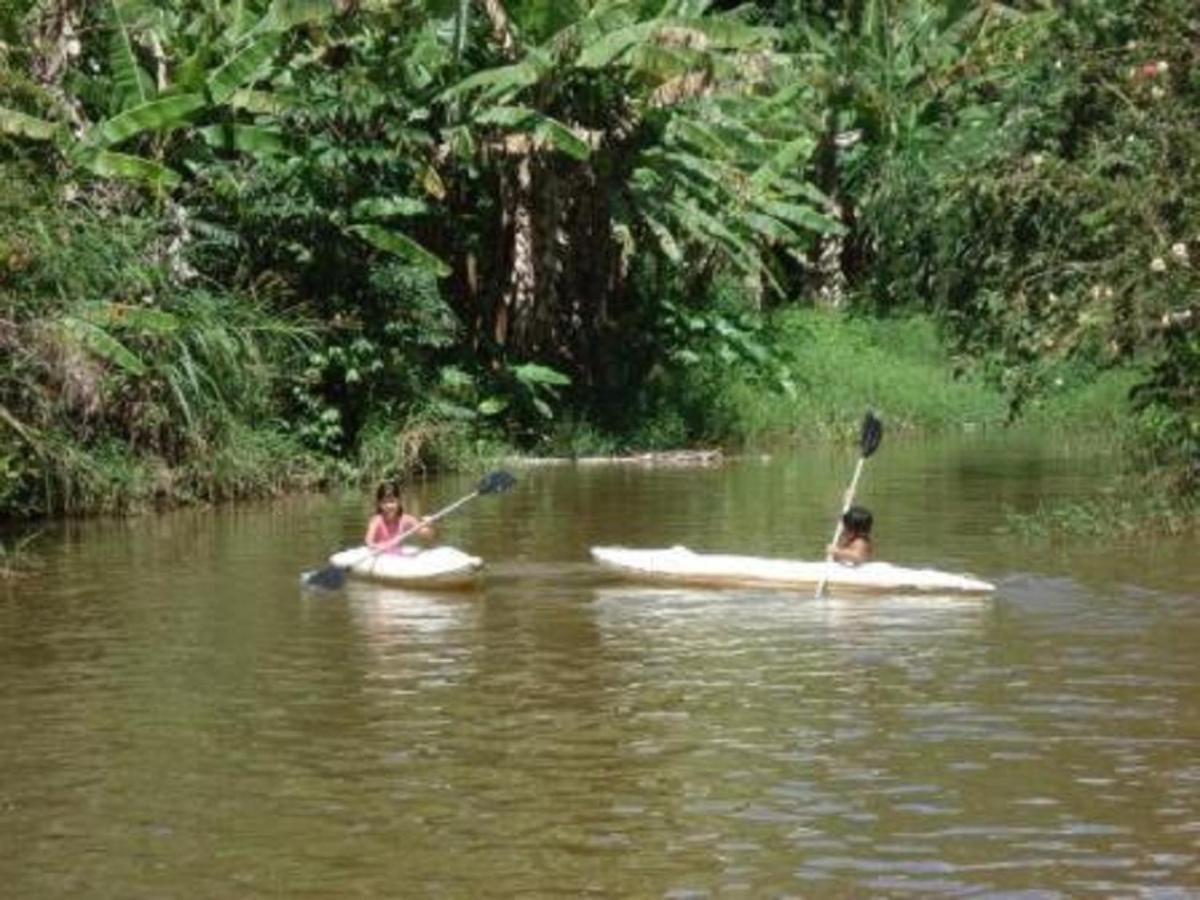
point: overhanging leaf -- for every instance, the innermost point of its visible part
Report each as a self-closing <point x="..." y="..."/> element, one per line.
<point x="497" y="81"/>
<point x="666" y="240"/>
<point x="287" y="14"/>
<point x="249" y="139"/>
<point x="19" y="124"/>
<point x="99" y="342"/>
<point x="402" y="246"/>
<point x="432" y="182"/>
<point x="133" y="86"/>
<point x="492" y="406"/>
<point x="507" y="116"/>
<point x="259" y="102"/>
<point x="705" y="139"/>
<point x="130" y="168"/>
<point x="782" y="162"/>
<point x="802" y="216"/>
<point x="611" y="46"/>
<point x="534" y="373"/>
<point x="154" y="115"/>
<point x="243" y="66"/>
<point x="562" y="138"/>
<point x="156" y="322"/>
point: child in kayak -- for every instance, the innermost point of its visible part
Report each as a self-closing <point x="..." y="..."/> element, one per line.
<point x="854" y="544"/>
<point x="391" y="521"/>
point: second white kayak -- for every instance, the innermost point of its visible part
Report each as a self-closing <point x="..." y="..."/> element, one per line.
<point x="437" y="567"/>
<point x="679" y="565"/>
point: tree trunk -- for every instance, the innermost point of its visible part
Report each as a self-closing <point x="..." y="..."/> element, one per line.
<point x="828" y="257"/>
<point x="514" y="325"/>
<point x="501" y="27"/>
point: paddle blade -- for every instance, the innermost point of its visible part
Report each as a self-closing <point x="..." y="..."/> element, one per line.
<point x="329" y="578"/>
<point x="872" y="435"/>
<point x="495" y="483"/>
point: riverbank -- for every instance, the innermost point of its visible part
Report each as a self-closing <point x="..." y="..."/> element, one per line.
<point x="825" y="369"/>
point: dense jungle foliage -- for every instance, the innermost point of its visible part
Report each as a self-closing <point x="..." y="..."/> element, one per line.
<point x="249" y="246"/>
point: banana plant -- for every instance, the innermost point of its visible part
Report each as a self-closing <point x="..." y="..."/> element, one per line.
<point x="624" y="133"/>
<point x="880" y="71"/>
<point x="229" y="53"/>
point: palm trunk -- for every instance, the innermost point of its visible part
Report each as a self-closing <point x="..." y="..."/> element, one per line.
<point x="501" y="27"/>
<point x="830" y="251"/>
<point x="513" y="326"/>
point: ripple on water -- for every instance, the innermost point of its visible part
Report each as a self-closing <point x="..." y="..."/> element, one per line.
<point x="214" y="734"/>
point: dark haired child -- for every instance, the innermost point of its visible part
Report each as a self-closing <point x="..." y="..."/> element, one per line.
<point x="853" y="545"/>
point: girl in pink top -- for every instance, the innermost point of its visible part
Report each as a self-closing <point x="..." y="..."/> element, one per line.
<point x="391" y="521"/>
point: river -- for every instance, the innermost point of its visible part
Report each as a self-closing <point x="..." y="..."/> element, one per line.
<point x="179" y="719"/>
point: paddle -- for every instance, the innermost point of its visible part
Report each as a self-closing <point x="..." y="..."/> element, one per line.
<point x="332" y="577"/>
<point x="868" y="442"/>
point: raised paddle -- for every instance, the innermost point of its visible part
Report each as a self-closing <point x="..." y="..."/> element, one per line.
<point x="868" y="442"/>
<point x="332" y="577"/>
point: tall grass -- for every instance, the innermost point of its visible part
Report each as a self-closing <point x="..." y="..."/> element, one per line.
<point x="834" y="367"/>
<point x="420" y="442"/>
<point x="124" y="385"/>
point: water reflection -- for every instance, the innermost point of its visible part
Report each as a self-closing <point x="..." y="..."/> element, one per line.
<point x="388" y="615"/>
<point x="177" y="719"/>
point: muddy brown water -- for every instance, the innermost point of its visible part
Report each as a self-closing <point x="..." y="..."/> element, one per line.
<point x="177" y="719"/>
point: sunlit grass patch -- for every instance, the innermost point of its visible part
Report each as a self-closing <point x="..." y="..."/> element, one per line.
<point x="842" y="365"/>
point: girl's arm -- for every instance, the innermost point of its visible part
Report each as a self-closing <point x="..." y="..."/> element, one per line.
<point x="372" y="527"/>
<point x="417" y="527"/>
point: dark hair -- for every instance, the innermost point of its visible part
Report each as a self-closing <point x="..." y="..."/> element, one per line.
<point x="858" y="520"/>
<point x="388" y="490"/>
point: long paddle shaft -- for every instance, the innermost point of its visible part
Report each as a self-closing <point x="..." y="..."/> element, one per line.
<point x="868" y="442"/>
<point x="333" y="577"/>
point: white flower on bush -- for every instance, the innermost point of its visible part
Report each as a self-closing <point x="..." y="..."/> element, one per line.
<point x="1158" y="264"/>
<point x="1180" y="252"/>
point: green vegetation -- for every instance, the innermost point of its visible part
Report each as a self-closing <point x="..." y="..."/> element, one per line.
<point x="1130" y="505"/>
<point x="802" y="374"/>
<point x="249" y="247"/>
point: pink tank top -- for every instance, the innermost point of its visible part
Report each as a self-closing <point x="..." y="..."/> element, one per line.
<point x="385" y="532"/>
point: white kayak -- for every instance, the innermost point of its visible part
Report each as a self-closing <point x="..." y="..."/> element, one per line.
<point x="679" y="565"/>
<point x="437" y="567"/>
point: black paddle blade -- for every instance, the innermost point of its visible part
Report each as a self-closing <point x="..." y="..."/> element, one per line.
<point x="329" y="578"/>
<point x="495" y="483"/>
<point x="872" y="435"/>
